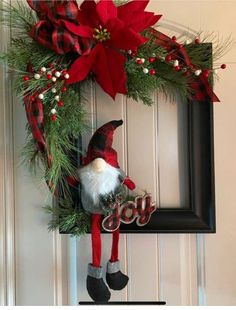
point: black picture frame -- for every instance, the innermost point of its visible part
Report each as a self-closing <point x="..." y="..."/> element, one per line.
<point x="199" y="216"/>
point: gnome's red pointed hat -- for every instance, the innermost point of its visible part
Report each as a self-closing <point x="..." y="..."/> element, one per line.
<point x="100" y="145"/>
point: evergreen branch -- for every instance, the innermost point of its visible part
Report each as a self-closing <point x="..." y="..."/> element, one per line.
<point x="68" y="218"/>
<point x="19" y="18"/>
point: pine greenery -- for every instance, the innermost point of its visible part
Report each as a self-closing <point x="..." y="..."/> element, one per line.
<point x="68" y="218"/>
<point x="120" y="196"/>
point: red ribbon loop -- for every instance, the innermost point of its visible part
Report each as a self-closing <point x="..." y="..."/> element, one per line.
<point x="200" y="85"/>
<point x="50" y="30"/>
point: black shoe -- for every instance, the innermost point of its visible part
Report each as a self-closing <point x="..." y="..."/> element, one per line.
<point x="96" y="287"/>
<point x="116" y="280"/>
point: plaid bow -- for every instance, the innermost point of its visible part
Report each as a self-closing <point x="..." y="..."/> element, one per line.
<point x="50" y="30"/>
<point x="200" y="85"/>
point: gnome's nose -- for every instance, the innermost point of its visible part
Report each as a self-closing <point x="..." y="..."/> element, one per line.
<point x="98" y="164"/>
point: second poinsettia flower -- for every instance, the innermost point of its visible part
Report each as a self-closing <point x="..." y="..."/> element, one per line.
<point x="110" y="31"/>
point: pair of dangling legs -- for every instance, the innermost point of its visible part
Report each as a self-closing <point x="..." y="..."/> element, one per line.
<point x="97" y="244"/>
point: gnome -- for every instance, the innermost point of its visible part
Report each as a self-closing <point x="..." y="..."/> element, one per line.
<point x="100" y="176"/>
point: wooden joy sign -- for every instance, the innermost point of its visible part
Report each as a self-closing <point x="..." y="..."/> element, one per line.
<point x="140" y="210"/>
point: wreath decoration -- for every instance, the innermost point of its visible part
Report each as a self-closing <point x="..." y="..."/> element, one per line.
<point x="59" y="46"/>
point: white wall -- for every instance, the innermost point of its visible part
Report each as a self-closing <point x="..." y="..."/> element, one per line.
<point x="181" y="269"/>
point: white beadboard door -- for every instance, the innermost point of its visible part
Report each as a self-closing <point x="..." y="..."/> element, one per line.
<point x="41" y="268"/>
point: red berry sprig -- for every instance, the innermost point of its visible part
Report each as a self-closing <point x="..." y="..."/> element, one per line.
<point x="152" y="59"/>
<point x="60" y="104"/>
<point x="168" y="58"/>
<point x="50" y="75"/>
<point x="63" y="89"/>
<point x="53" y="117"/>
<point x="26" y="78"/>
<point x="152" y="71"/>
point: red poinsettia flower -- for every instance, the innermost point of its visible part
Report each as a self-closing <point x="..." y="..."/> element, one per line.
<point x="110" y="30"/>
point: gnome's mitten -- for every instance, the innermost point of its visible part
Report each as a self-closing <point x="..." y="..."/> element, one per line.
<point x="116" y="280"/>
<point x="96" y="287"/>
<point x="129" y="183"/>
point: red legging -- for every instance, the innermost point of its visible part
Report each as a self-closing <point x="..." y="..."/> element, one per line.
<point x="96" y="241"/>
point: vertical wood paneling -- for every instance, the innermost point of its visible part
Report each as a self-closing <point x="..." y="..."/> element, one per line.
<point x="173" y="161"/>
<point x="143" y="268"/>
<point x="7" y="221"/>
<point x="27" y="249"/>
<point x="188" y="269"/>
<point x="60" y="261"/>
<point x="3" y="293"/>
<point x="170" y="271"/>
<point x="84" y="255"/>
<point x="34" y="244"/>
<point x="220" y="250"/>
<point x="201" y="272"/>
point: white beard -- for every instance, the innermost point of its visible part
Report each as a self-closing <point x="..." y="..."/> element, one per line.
<point x="96" y="184"/>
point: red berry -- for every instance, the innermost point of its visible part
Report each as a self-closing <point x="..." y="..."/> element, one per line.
<point x="197" y="41"/>
<point x="223" y="66"/>
<point x="49" y="85"/>
<point x="152" y="71"/>
<point x="177" y="68"/>
<point x="168" y="58"/>
<point x="63" y="89"/>
<point x="186" y="73"/>
<point x="53" y="117"/>
<point x="64" y="72"/>
<point x="49" y="76"/>
<point x="151" y="59"/>
<point x="174" y="38"/>
<point x="206" y="73"/>
<point x="60" y="103"/>
<point x="51" y="65"/>
<point x="138" y="61"/>
<point x="134" y="54"/>
<point x="26" y="78"/>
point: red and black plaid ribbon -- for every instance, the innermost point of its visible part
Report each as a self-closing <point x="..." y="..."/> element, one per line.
<point x="50" y="31"/>
<point x="200" y="84"/>
<point x="35" y="117"/>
